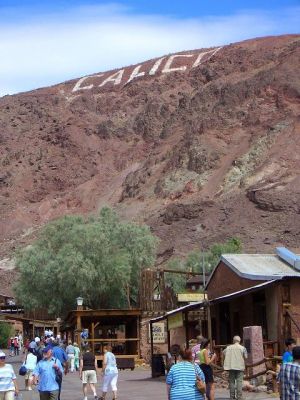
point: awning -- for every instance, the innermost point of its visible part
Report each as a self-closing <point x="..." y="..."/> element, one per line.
<point x="202" y="304"/>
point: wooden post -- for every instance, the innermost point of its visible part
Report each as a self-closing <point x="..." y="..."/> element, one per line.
<point x="169" y="338"/>
<point x="151" y="348"/>
<point x="93" y="337"/>
<point x="138" y="336"/>
<point x="209" y="322"/>
<point x="186" y="322"/>
<point x="78" y="327"/>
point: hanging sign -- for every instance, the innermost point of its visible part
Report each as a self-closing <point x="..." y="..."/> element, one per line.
<point x="175" y="321"/>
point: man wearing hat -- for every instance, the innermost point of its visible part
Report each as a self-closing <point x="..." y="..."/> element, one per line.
<point x="46" y="373"/>
<point x="8" y="380"/>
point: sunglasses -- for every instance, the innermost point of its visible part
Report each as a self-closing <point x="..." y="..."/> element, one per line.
<point x="2" y="358"/>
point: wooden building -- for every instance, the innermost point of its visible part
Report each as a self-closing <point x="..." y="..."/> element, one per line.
<point x="256" y="289"/>
<point x="120" y="328"/>
<point x="247" y="290"/>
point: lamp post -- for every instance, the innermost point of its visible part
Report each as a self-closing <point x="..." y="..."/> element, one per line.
<point x="79" y="302"/>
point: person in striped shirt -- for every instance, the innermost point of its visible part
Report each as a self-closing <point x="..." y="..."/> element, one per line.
<point x="8" y="380"/>
<point x="289" y="377"/>
<point x="181" y="379"/>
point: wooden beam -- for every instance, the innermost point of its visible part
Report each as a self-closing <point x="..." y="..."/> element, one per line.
<point x="174" y="271"/>
<point x="93" y="337"/>
<point x="186" y="319"/>
<point x="151" y="346"/>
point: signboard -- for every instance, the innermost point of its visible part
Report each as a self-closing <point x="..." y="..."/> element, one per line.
<point x="190" y="297"/>
<point x="175" y="321"/>
<point x="158" y="332"/>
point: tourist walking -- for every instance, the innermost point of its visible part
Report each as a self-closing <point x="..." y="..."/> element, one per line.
<point x="287" y="356"/>
<point x="30" y="362"/>
<point x="8" y="380"/>
<point x="206" y="358"/>
<point x="110" y="373"/>
<point x="234" y="363"/>
<point x="46" y="373"/>
<point x="87" y="372"/>
<point x="181" y="379"/>
<point x="70" y="350"/>
<point x="16" y="346"/>
<point x="197" y="348"/>
<point x="76" y="354"/>
<point x="60" y="354"/>
<point x="289" y="377"/>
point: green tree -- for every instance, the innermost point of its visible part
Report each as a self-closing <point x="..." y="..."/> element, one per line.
<point x="197" y="259"/>
<point x="98" y="258"/>
<point x="5" y="334"/>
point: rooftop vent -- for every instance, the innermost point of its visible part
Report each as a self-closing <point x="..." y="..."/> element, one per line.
<point x="288" y="256"/>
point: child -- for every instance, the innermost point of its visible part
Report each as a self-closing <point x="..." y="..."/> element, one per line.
<point x="287" y="357"/>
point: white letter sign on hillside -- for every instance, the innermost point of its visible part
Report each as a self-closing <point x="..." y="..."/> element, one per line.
<point x="156" y="66"/>
<point x="192" y="61"/>
<point x="116" y="78"/>
<point x="81" y="80"/>
<point x="136" y="73"/>
<point x="168" y="68"/>
<point x="201" y="55"/>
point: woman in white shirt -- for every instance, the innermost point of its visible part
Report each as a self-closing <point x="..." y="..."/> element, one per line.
<point x="30" y="362"/>
<point x="8" y="380"/>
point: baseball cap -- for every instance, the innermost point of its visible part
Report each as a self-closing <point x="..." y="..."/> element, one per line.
<point x="2" y="354"/>
<point x="37" y="339"/>
<point x="46" y="349"/>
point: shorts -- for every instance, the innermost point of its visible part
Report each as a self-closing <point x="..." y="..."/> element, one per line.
<point x="9" y="395"/>
<point x="89" y="376"/>
<point x="208" y="373"/>
<point x="110" y="382"/>
<point x="28" y="374"/>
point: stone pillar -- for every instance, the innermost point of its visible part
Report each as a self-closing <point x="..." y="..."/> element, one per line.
<point x="253" y="341"/>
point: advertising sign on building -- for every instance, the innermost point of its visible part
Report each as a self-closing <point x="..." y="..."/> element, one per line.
<point x="175" y="321"/>
<point x="190" y="297"/>
<point x="158" y="332"/>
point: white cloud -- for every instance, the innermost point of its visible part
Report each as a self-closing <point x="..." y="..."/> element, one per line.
<point x="52" y="48"/>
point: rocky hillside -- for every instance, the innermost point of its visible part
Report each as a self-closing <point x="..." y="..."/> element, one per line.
<point x="201" y="145"/>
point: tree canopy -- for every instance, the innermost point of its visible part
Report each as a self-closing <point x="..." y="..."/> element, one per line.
<point x="98" y="258"/>
<point x="197" y="259"/>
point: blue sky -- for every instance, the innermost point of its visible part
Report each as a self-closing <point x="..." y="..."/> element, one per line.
<point x="47" y="42"/>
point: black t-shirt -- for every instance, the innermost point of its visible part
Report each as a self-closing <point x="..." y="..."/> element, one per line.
<point x="88" y="359"/>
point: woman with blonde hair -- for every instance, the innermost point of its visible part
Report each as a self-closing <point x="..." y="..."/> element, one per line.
<point x="110" y="373"/>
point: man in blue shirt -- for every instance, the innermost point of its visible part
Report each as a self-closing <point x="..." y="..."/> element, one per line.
<point x="45" y="373"/>
<point x="60" y="354"/>
<point x="287" y="355"/>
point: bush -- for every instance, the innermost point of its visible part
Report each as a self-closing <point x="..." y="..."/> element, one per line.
<point x="5" y="334"/>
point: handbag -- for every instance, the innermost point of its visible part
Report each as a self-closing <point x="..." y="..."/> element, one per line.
<point x="23" y="369"/>
<point x="200" y="384"/>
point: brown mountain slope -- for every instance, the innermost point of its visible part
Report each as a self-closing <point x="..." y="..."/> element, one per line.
<point x="202" y="146"/>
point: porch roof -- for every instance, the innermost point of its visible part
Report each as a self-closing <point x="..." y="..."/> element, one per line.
<point x="205" y="303"/>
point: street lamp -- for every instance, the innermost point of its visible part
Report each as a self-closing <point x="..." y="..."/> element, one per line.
<point x="79" y="301"/>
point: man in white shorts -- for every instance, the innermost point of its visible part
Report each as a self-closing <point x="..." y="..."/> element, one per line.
<point x="8" y="382"/>
<point x="87" y="372"/>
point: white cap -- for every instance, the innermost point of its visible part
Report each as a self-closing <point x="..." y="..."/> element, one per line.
<point x="2" y="354"/>
<point x="37" y="339"/>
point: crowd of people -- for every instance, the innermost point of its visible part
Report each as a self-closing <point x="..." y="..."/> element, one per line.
<point x="46" y="360"/>
<point x="195" y="366"/>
